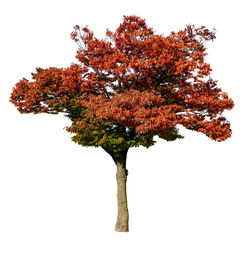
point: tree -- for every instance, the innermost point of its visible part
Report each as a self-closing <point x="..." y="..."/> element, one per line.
<point x="129" y="87"/>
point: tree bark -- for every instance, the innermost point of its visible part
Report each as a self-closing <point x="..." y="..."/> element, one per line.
<point x="121" y="178"/>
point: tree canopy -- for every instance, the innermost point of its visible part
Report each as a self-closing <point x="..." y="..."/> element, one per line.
<point x="131" y="86"/>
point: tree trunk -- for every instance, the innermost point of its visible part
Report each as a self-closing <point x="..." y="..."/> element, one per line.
<point x="121" y="178"/>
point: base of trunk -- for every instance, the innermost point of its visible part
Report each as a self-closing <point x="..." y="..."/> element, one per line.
<point x="121" y="227"/>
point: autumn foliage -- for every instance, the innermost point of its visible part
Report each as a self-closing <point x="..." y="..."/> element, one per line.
<point x="131" y="86"/>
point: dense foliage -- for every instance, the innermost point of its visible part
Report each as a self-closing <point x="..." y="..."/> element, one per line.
<point x="131" y="86"/>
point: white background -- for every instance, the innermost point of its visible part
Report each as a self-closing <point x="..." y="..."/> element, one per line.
<point x="188" y="198"/>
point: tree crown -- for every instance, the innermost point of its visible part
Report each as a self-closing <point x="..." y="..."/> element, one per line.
<point x="130" y="87"/>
